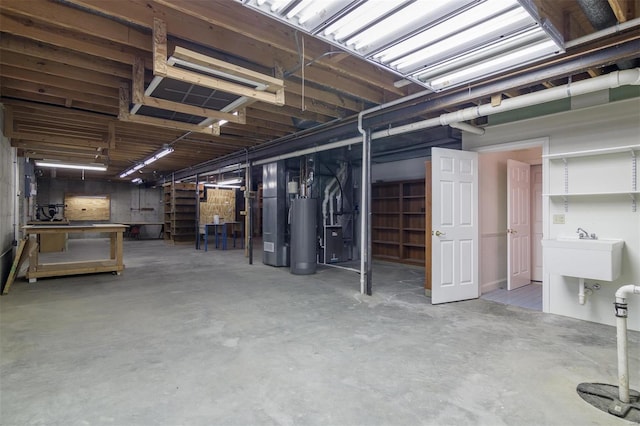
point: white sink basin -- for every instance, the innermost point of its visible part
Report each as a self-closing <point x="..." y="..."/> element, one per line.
<point x="591" y="259"/>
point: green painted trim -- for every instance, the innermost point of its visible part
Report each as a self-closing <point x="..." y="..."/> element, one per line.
<point x="624" y="92"/>
<point x="617" y="94"/>
<point x="530" y="112"/>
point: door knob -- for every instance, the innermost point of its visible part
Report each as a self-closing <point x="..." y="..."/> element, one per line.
<point x="511" y="231"/>
<point x="438" y="233"/>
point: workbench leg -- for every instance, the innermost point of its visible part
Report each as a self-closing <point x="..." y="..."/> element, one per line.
<point x="33" y="258"/>
<point x="112" y="244"/>
<point x="119" y="250"/>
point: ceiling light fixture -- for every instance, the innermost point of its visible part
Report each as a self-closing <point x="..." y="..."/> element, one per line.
<point x="217" y="185"/>
<point x="229" y="181"/>
<point x="155" y="157"/>
<point x="414" y="40"/>
<point x="56" y="165"/>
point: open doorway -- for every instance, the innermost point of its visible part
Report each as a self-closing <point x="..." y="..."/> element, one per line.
<point x="511" y="231"/>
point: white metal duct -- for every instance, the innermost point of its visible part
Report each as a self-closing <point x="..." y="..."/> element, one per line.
<point x="439" y="44"/>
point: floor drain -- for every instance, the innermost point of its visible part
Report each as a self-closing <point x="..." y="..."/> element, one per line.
<point x="605" y="397"/>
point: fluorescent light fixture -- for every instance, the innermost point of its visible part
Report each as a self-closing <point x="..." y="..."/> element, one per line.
<point x="136" y="181"/>
<point x="217" y="185"/>
<point x="467" y="20"/>
<point x="229" y="181"/>
<point x="359" y="19"/>
<point x="439" y="44"/>
<point x="481" y="34"/>
<point x="56" y="165"/>
<point x="155" y="157"/>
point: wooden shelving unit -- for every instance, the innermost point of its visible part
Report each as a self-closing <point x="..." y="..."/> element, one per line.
<point x="180" y="212"/>
<point x="398" y="221"/>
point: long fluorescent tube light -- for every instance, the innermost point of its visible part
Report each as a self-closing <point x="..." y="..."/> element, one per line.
<point x="229" y="181"/>
<point x="96" y="167"/>
<point x="217" y="185"/>
<point x="155" y="157"/>
<point x="425" y="43"/>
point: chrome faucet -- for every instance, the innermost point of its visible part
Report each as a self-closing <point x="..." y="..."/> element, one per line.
<point x="584" y="235"/>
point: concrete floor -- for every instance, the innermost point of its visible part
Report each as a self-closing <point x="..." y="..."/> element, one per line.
<point x="185" y="337"/>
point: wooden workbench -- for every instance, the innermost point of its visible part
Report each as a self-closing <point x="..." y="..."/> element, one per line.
<point x="113" y="264"/>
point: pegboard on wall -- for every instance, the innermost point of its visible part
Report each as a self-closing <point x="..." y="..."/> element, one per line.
<point x="221" y="202"/>
<point x="87" y="207"/>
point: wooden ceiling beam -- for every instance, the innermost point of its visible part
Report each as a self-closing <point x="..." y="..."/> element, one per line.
<point x="61" y="140"/>
<point x="14" y="94"/>
<point x="48" y="148"/>
<point x="623" y="9"/>
<point x="68" y="39"/>
<point x="77" y="20"/>
<point x="52" y="131"/>
<point x="56" y="111"/>
<point x="236" y="18"/>
<point x="39" y="88"/>
<point x="59" y="82"/>
<point x="59" y="69"/>
<point x="19" y="45"/>
<point x="327" y="96"/>
<point x="376" y="85"/>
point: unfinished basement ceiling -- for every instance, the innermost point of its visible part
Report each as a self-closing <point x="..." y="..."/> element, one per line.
<point x="62" y="63"/>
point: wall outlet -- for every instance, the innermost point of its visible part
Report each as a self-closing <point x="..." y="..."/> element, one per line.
<point x="558" y="219"/>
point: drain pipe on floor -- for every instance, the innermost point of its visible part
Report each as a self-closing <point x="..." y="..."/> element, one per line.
<point x="621" y="330"/>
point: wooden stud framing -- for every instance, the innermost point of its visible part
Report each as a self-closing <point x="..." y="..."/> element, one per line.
<point x="224" y="86"/>
<point x="124" y="115"/>
<point x="112" y="135"/>
<point x="169" y="124"/>
<point x="159" y="47"/>
<point x="273" y="84"/>
<point x="273" y="93"/>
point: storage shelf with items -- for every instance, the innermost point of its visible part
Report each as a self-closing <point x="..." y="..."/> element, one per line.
<point x="398" y="221"/>
<point x="616" y="174"/>
<point x="180" y="206"/>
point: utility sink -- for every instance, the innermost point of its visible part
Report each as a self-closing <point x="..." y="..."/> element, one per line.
<point x="583" y="258"/>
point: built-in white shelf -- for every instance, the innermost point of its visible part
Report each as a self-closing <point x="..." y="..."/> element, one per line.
<point x="629" y="150"/>
<point x="593" y="194"/>
<point x="591" y="152"/>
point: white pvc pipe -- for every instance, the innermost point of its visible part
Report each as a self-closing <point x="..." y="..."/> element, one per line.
<point x="607" y="81"/>
<point x="621" y="338"/>
<point x="581" y="297"/>
<point x="623" y="361"/>
<point x="619" y="27"/>
<point x="465" y="127"/>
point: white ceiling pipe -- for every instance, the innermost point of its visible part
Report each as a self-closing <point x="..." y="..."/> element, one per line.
<point x="623" y="26"/>
<point x="608" y="81"/>
<point x="465" y="127"/>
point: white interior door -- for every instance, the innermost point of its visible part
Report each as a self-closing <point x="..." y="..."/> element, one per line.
<point x="454" y="235"/>
<point x="536" y="223"/>
<point x="518" y="224"/>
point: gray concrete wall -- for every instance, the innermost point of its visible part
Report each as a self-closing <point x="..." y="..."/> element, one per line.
<point x="129" y="203"/>
<point x="8" y="200"/>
